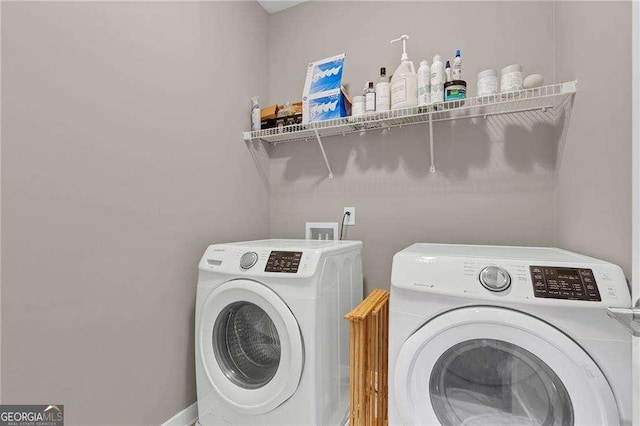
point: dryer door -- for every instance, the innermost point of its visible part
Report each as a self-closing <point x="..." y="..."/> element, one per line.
<point x="494" y="366"/>
<point x="251" y="346"/>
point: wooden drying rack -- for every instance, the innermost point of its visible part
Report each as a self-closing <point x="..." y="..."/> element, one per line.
<point x="369" y="347"/>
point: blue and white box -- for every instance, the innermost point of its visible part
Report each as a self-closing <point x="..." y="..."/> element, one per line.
<point x="322" y="98"/>
<point x="326" y="107"/>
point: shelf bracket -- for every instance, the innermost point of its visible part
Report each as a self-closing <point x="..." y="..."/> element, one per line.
<point x="324" y="154"/>
<point x="432" y="169"/>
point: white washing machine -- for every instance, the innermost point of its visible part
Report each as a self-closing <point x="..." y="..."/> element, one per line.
<point x="483" y="335"/>
<point x="272" y="347"/>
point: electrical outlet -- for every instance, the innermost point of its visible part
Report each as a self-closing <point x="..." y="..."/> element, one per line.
<point x="351" y="218"/>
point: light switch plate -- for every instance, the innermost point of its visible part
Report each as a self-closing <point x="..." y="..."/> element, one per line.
<point x="351" y="219"/>
<point x="322" y="231"/>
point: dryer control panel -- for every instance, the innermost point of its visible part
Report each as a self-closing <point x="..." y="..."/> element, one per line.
<point x="564" y="283"/>
<point x="488" y="274"/>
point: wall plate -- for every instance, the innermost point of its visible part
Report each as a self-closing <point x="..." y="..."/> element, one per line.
<point x="322" y="231"/>
<point x="351" y="219"/>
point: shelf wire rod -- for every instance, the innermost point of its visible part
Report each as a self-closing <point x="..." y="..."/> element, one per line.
<point x="432" y="169"/>
<point x="324" y="154"/>
<point x="492" y="113"/>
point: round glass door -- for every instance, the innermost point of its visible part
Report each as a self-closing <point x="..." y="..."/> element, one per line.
<point x="250" y="346"/>
<point x="246" y="345"/>
<point x="494" y="366"/>
<point x="487" y="381"/>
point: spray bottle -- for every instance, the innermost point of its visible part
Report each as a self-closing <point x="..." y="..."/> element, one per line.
<point x="404" y="83"/>
<point x="457" y="66"/>
<point x="255" y="114"/>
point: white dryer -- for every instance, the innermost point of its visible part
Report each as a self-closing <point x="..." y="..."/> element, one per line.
<point x="483" y="335"/>
<point x="272" y="347"/>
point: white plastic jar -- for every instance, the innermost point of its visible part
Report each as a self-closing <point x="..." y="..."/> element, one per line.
<point x="487" y="83"/>
<point x="359" y="106"/>
<point x="511" y="78"/>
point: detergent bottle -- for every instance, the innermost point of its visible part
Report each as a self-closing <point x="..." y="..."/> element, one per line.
<point x="404" y="83"/>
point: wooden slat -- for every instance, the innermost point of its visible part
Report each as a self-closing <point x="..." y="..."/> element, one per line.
<point x="367" y="305"/>
<point x="384" y="388"/>
<point x="352" y="376"/>
<point x="378" y="372"/>
<point x="362" y="372"/>
<point x="368" y="357"/>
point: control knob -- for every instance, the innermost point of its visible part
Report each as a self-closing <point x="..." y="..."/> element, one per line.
<point x="495" y="278"/>
<point x="248" y="260"/>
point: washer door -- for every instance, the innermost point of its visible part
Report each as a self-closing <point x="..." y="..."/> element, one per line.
<point x="251" y="346"/>
<point x="494" y="366"/>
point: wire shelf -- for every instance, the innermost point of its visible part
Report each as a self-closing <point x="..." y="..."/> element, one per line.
<point x="547" y="100"/>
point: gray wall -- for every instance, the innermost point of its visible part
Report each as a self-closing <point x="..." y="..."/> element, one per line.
<point x="121" y="161"/>
<point x="594" y="180"/>
<point x="495" y="182"/>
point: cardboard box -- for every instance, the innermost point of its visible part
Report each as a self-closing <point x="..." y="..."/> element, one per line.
<point x="323" y="97"/>
<point x="267" y="113"/>
<point x="281" y="122"/>
<point x="347" y="99"/>
<point x="293" y="119"/>
<point x="332" y="105"/>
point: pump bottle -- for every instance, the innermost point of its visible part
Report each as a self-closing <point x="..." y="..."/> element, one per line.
<point x="404" y="83"/>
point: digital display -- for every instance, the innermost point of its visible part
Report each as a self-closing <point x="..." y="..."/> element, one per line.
<point x="283" y="261"/>
<point x="564" y="283"/>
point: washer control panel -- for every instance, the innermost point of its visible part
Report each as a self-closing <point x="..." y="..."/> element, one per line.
<point x="283" y="261"/>
<point x="564" y="283"/>
<point x="495" y="278"/>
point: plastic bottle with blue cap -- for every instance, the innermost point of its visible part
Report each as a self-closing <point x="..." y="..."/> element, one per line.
<point x="457" y="66"/>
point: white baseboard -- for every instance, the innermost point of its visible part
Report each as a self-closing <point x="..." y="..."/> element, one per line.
<point x="186" y="417"/>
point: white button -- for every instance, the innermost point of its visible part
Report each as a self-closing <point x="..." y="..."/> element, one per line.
<point x="611" y="291"/>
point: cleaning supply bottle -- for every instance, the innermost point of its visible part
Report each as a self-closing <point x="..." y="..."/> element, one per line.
<point x="404" y="83"/>
<point x="370" y="98"/>
<point x="437" y="80"/>
<point x="457" y="66"/>
<point x="424" y="84"/>
<point x="255" y="114"/>
<point x="447" y="71"/>
<point x="383" y="92"/>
